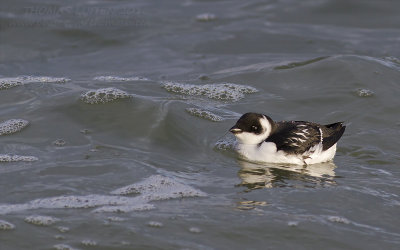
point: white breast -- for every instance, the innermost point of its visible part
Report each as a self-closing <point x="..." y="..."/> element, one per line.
<point x="266" y="153"/>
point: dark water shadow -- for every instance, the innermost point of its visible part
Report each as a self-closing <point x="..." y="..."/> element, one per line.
<point x="299" y="64"/>
<point x="257" y="176"/>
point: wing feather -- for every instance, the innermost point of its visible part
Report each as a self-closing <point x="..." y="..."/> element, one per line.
<point x="295" y="137"/>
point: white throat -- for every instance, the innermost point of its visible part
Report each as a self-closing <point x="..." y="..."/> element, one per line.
<point x="252" y="138"/>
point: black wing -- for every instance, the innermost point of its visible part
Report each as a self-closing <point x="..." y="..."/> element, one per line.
<point x="295" y="137"/>
<point x="331" y="134"/>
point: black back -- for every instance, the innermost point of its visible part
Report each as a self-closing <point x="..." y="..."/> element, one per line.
<point x="297" y="137"/>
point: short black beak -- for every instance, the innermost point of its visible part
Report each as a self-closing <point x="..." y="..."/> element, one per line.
<point x="235" y="130"/>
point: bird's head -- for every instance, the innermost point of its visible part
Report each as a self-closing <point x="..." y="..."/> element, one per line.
<point x="252" y="128"/>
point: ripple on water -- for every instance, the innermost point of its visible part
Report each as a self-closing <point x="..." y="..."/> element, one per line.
<point x="12" y="126"/>
<point x="40" y="220"/>
<point x="220" y="91"/>
<point x="103" y="95"/>
<point x="392" y="59"/>
<point x="299" y="64"/>
<point x="5" y="225"/>
<point x="204" y="114"/>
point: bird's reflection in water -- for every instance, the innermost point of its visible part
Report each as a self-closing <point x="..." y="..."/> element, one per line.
<point x="256" y="176"/>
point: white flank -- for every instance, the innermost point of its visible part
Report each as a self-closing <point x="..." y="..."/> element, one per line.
<point x="267" y="153"/>
<point x="321" y="156"/>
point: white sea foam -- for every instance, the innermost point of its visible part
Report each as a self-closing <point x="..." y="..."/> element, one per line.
<point x="89" y="201"/>
<point x="204" y="114"/>
<point x="195" y="230"/>
<point x="115" y="219"/>
<point x="119" y="79"/>
<point x="59" y="237"/>
<point x="40" y="220"/>
<point x="12" y="126"/>
<point x="5" y="225"/>
<point x="63" y="247"/>
<point x="364" y="92"/>
<point x="103" y="95"/>
<point x="89" y="243"/>
<point x="206" y="17"/>
<point x="16" y="158"/>
<point x="59" y="143"/>
<point x="218" y="91"/>
<point x="225" y="144"/>
<point x="125" y="208"/>
<point x="153" y="188"/>
<point x="155" y="224"/>
<point x="47" y="79"/>
<point x="63" y="229"/>
<point x="338" y="219"/>
<point x="9" y="82"/>
<point x="157" y="187"/>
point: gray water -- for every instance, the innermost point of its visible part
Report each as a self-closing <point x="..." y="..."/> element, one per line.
<point x="124" y="106"/>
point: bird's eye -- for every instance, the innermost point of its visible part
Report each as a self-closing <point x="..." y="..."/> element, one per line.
<point x="254" y="128"/>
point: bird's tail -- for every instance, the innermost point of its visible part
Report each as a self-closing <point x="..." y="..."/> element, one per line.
<point x="336" y="131"/>
<point x="336" y="126"/>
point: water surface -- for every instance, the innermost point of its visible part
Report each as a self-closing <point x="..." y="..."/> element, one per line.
<point x="123" y="107"/>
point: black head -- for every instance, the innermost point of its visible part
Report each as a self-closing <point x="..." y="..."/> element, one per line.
<point x="249" y="122"/>
<point x="252" y="128"/>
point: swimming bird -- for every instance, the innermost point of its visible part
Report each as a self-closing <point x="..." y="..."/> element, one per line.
<point x="260" y="139"/>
